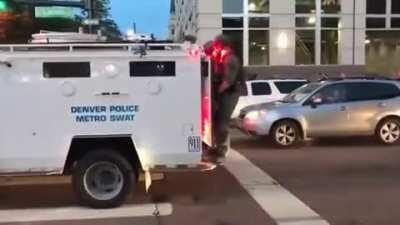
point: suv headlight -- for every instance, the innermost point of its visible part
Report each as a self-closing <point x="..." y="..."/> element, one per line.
<point x="254" y="115"/>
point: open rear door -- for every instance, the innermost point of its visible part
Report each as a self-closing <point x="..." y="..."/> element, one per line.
<point x="206" y="103"/>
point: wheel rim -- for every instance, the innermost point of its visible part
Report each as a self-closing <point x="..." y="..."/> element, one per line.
<point x="103" y="181"/>
<point x="285" y="135"/>
<point x="390" y="132"/>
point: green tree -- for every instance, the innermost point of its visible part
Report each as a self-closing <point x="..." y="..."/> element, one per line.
<point x="3" y="6"/>
<point x="101" y="11"/>
<point x="18" y="23"/>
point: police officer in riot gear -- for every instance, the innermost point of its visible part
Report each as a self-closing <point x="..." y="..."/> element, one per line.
<point x="227" y="79"/>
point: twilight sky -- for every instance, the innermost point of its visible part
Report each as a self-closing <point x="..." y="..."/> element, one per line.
<point x="151" y="16"/>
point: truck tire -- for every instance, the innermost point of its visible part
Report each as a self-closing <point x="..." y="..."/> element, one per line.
<point x="103" y="179"/>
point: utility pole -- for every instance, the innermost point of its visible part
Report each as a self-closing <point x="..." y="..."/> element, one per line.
<point x="90" y="14"/>
<point x="354" y="32"/>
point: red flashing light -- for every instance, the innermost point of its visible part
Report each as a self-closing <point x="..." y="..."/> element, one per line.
<point x="219" y="54"/>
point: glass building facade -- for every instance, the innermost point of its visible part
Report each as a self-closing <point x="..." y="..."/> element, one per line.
<point x="382" y="40"/>
<point x="316" y="32"/>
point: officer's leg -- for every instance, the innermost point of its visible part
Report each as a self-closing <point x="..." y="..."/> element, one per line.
<point x="227" y="106"/>
<point x="216" y="115"/>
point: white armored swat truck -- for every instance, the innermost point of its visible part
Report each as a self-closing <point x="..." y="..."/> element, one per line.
<point x="102" y="113"/>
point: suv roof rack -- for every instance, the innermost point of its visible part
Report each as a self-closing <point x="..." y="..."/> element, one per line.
<point x="254" y="76"/>
<point x="357" y="78"/>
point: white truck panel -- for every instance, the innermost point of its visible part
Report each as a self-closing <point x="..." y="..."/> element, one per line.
<point x="38" y="122"/>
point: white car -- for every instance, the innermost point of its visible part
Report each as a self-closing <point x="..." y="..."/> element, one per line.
<point x="263" y="91"/>
<point x="135" y="37"/>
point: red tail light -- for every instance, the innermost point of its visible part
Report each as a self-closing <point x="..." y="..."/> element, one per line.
<point x="206" y="105"/>
<point x="206" y="123"/>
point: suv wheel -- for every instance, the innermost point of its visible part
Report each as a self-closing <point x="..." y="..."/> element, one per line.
<point x="285" y="134"/>
<point x="103" y="179"/>
<point x="388" y="132"/>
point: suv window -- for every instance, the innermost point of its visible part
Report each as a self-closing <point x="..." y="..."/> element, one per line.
<point x="334" y="93"/>
<point x="286" y="87"/>
<point x="260" y="88"/>
<point x="372" y="91"/>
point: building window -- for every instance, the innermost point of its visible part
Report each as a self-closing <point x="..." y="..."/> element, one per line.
<point x="395" y="6"/>
<point x="232" y="22"/>
<point x="383" y="52"/>
<point x="305" y="6"/>
<point x="329" y="46"/>
<point x="376" y="22"/>
<point x="376" y="6"/>
<point x="395" y="22"/>
<point x="236" y="38"/>
<point x="258" y="22"/>
<point x="331" y="6"/>
<point x="232" y="6"/>
<point x="258" y="6"/>
<point x="329" y="40"/>
<point x="260" y="88"/>
<point x="258" y="47"/>
<point x="331" y="22"/>
<point x="305" y="38"/>
<point x="305" y="47"/>
<point x="305" y="21"/>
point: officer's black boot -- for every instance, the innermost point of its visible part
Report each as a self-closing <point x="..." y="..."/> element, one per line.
<point x="215" y="155"/>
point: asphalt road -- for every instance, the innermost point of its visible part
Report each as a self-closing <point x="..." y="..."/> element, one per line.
<point x="197" y="198"/>
<point x="352" y="181"/>
<point x="345" y="181"/>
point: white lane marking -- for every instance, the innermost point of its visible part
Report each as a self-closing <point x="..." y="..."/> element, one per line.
<point x="80" y="213"/>
<point x="275" y="200"/>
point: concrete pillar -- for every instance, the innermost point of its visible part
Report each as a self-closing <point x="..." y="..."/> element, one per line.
<point x="282" y="32"/>
<point x="246" y="47"/>
<point x="352" y="38"/>
<point x="361" y="10"/>
<point x="209" y="20"/>
<point x="346" y="33"/>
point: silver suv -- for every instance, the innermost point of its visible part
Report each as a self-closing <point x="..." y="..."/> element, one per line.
<point x="353" y="107"/>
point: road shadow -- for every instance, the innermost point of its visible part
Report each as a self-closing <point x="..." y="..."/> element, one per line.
<point x="265" y="143"/>
<point x="195" y="188"/>
<point x="252" y="142"/>
<point x="346" y="142"/>
<point x="48" y="196"/>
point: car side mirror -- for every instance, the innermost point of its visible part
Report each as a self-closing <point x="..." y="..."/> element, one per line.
<point x="315" y="102"/>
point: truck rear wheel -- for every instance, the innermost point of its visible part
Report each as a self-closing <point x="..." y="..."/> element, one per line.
<point x="103" y="179"/>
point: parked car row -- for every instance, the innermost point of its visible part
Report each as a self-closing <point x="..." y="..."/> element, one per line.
<point x="341" y="107"/>
<point x="261" y="91"/>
